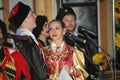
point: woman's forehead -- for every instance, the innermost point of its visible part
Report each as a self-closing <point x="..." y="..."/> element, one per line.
<point x="55" y="23"/>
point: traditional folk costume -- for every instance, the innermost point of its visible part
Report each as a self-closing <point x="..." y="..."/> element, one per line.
<point x="31" y="52"/>
<point x="55" y="58"/>
<point x="13" y="66"/>
<point x="28" y="47"/>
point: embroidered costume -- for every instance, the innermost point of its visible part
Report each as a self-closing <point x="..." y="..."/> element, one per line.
<point x="56" y="57"/>
<point x="13" y="65"/>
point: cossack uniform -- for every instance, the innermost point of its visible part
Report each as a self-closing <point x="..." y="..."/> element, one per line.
<point x="12" y="65"/>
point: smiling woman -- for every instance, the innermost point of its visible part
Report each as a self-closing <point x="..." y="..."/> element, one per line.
<point x="61" y="58"/>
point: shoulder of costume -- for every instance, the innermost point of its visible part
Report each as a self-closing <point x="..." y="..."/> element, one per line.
<point x="11" y="50"/>
<point x="71" y="47"/>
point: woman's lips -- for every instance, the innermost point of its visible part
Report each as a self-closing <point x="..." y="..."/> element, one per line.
<point x="54" y="35"/>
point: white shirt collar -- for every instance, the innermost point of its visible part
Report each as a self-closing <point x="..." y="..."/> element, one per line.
<point x="25" y="32"/>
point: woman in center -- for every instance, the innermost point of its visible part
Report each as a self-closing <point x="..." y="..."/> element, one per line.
<point x="62" y="59"/>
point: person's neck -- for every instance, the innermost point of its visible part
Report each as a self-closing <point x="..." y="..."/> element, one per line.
<point x="25" y="28"/>
<point x="71" y="31"/>
<point x="43" y="38"/>
<point x="58" y="43"/>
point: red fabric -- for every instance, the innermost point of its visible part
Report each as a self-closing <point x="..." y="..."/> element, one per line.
<point x="64" y="58"/>
<point x="7" y="58"/>
<point x="21" y="66"/>
<point x="20" y="63"/>
<point x="13" y="11"/>
<point x="2" y="77"/>
<point x="40" y="45"/>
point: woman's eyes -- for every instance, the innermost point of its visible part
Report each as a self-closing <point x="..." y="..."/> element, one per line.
<point x="57" y="28"/>
<point x="54" y="28"/>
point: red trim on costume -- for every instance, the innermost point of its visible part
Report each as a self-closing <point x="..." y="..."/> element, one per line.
<point x="19" y="61"/>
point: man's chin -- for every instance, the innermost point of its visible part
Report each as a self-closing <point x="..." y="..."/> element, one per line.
<point x="70" y="30"/>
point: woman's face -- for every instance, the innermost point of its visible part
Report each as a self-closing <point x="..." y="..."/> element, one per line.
<point x="56" y="31"/>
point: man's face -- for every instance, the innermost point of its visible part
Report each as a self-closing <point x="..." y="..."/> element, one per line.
<point x="70" y="22"/>
<point x="44" y="31"/>
<point x="30" y="20"/>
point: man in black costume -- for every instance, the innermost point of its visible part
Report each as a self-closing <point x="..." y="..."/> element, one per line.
<point x="22" y="17"/>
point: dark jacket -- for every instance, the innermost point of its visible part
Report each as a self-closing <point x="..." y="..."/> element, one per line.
<point x="31" y="52"/>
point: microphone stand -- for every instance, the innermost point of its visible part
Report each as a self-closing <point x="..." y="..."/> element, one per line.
<point x="87" y="57"/>
<point x="97" y="46"/>
<point x="107" y="56"/>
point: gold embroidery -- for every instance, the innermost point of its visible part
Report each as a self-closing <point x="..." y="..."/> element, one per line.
<point x="11" y="65"/>
<point x="10" y="69"/>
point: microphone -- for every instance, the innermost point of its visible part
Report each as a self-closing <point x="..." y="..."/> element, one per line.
<point x="72" y="36"/>
<point x="16" y="37"/>
<point x="85" y="30"/>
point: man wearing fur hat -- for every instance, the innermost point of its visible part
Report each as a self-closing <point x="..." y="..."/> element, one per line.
<point x="68" y="16"/>
<point x="22" y="17"/>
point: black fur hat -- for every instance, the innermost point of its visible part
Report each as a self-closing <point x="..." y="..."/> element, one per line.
<point x="65" y="11"/>
<point x="18" y="14"/>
